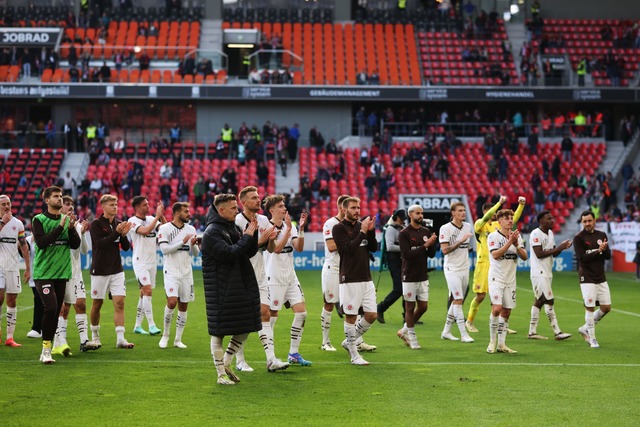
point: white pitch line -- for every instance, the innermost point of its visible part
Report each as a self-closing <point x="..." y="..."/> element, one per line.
<point x="203" y="362"/>
<point x="582" y="303"/>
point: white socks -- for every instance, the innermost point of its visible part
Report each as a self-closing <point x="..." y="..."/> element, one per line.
<point x="551" y="315"/>
<point x="12" y="314"/>
<point x="119" y="333"/>
<point x="81" y="323"/>
<point x="459" y="316"/>
<point x="181" y="322"/>
<point x="351" y="335"/>
<point x="297" y="327"/>
<point x="325" y="321"/>
<point x="535" y="316"/>
<point x="168" y="318"/>
<point x="493" y="328"/>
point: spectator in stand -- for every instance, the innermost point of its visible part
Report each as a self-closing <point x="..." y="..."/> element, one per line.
<point x="144" y="61"/>
<point x="532" y="142"/>
<point x="370" y="185"/>
<point x="374" y="78"/>
<point x="199" y="191"/>
<point x="166" y="171"/>
<point x="566" y="146"/>
<point x="263" y="175"/>
<point x="556" y="168"/>
<point x="105" y="73"/>
<point x="254" y="76"/>
<point x="292" y="145"/>
<point x="332" y="147"/>
<point x="362" y="78"/>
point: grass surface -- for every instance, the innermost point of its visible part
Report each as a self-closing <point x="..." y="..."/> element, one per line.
<point x="444" y="383"/>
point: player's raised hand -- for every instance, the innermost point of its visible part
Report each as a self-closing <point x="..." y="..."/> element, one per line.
<point x="430" y="241"/>
<point x="513" y="236"/>
<point x="85" y="226"/>
<point x="287" y="220"/>
<point x="522" y="200"/>
<point x="251" y="228"/>
<point x="604" y="245"/>
<point x="303" y="219"/>
<point x="566" y="244"/>
<point x="63" y="220"/>
<point x="364" y="227"/>
<point x="194" y="240"/>
<point x="502" y="200"/>
<point x="72" y="220"/>
<point x="159" y="210"/>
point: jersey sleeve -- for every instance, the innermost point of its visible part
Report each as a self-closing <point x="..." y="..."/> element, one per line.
<point x="520" y="242"/>
<point x="535" y="239"/>
<point x="294" y="232"/>
<point x="327" y="230"/>
<point x="492" y="242"/>
<point x="163" y="235"/>
<point x="134" y="229"/>
<point x="445" y="234"/>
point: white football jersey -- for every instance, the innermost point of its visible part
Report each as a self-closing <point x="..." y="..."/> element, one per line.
<point x="76" y="267"/>
<point x="9" y="256"/>
<point x="503" y="269"/>
<point x="179" y="262"/>
<point x="541" y="267"/>
<point x="144" y="247"/>
<point x="330" y="258"/>
<point x="279" y="267"/>
<point x="459" y="259"/>
<point x="257" y="261"/>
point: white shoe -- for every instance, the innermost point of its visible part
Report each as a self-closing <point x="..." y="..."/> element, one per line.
<point x="327" y="347"/>
<point x="402" y="334"/>
<point x="363" y="346"/>
<point x="562" y="336"/>
<point x="504" y="349"/>
<point x="179" y="344"/>
<point x="537" y="337"/>
<point x="124" y="344"/>
<point x="358" y="360"/>
<point x="594" y="344"/>
<point x="225" y="380"/>
<point x="164" y="341"/>
<point x="466" y="339"/>
<point x="345" y="345"/>
<point x="231" y="375"/>
<point x="584" y="332"/>
<point x="34" y="334"/>
<point x="93" y="344"/>
<point x="492" y="347"/>
<point x="277" y="365"/>
<point x="243" y="366"/>
<point x="45" y="356"/>
<point x="413" y="342"/>
<point x="471" y="327"/>
<point x="511" y="331"/>
<point x="449" y="337"/>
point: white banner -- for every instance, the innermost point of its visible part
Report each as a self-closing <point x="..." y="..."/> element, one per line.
<point x="624" y="236"/>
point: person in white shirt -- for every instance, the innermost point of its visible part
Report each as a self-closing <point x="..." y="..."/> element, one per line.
<point x="281" y="276"/>
<point x="505" y="247"/>
<point x="145" y="261"/>
<point x="178" y="243"/>
<point x="11" y="237"/>
<point x="454" y="241"/>
<point x="330" y="274"/>
<point x="75" y="293"/>
<point x="543" y="249"/>
<point x="250" y="200"/>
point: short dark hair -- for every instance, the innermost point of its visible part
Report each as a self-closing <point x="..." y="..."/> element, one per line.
<point x="49" y="191"/>
<point x="137" y="201"/>
<point x="67" y="198"/>
<point x="541" y="215"/>
<point x="349" y="200"/>
<point x="487" y="206"/>
<point x="246" y="190"/>
<point x="341" y="199"/>
<point x="587" y="213"/>
<point x="177" y="207"/>
<point x="223" y="198"/>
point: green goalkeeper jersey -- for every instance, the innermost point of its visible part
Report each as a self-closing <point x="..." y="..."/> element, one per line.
<point x="53" y="261"/>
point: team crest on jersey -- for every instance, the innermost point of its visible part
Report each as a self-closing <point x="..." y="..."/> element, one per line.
<point x="170" y="289"/>
<point x="492" y="244"/>
<point x="441" y="236"/>
<point x="160" y="236"/>
<point x="328" y="232"/>
<point x="409" y="294"/>
<point x="590" y="300"/>
<point x="496" y="297"/>
<point x="599" y="241"/>
<point x="45" y="291"/>
<point x="536" y="240"/>
<point x="95" y="292"/>
<point x="457" y="293"/>
<point x="349" y="307"/>
<point x="276" y="302"/>
<point x="425" y="238"/>
<point x="330" y="295"/>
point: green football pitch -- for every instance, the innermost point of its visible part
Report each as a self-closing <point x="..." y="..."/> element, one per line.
<point x="444" y="383"/>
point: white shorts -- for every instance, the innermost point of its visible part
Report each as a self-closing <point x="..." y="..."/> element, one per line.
<point x="281" y="294"/>
<point x="146" y="274"/>
<point x="358" y="294"/>
<point x="263" y="288"/>
<point x="75" y="289"/>
<point x="502" y="294"/>
<point x="542" y="286"/>
<point x="113" y="283"/>
<point x="10" y="282"/>
<point x="592" y="292"/>
<point x="331" y="284"/>
<point x="412" y="291"/>
<point x="457" y="282"/>
<point x="180" y="287"/>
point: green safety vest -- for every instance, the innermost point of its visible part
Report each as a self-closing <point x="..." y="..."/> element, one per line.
<point x="91" y="132"/>
<point x="227" y="134"/>
<point x="402" y="4"/>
